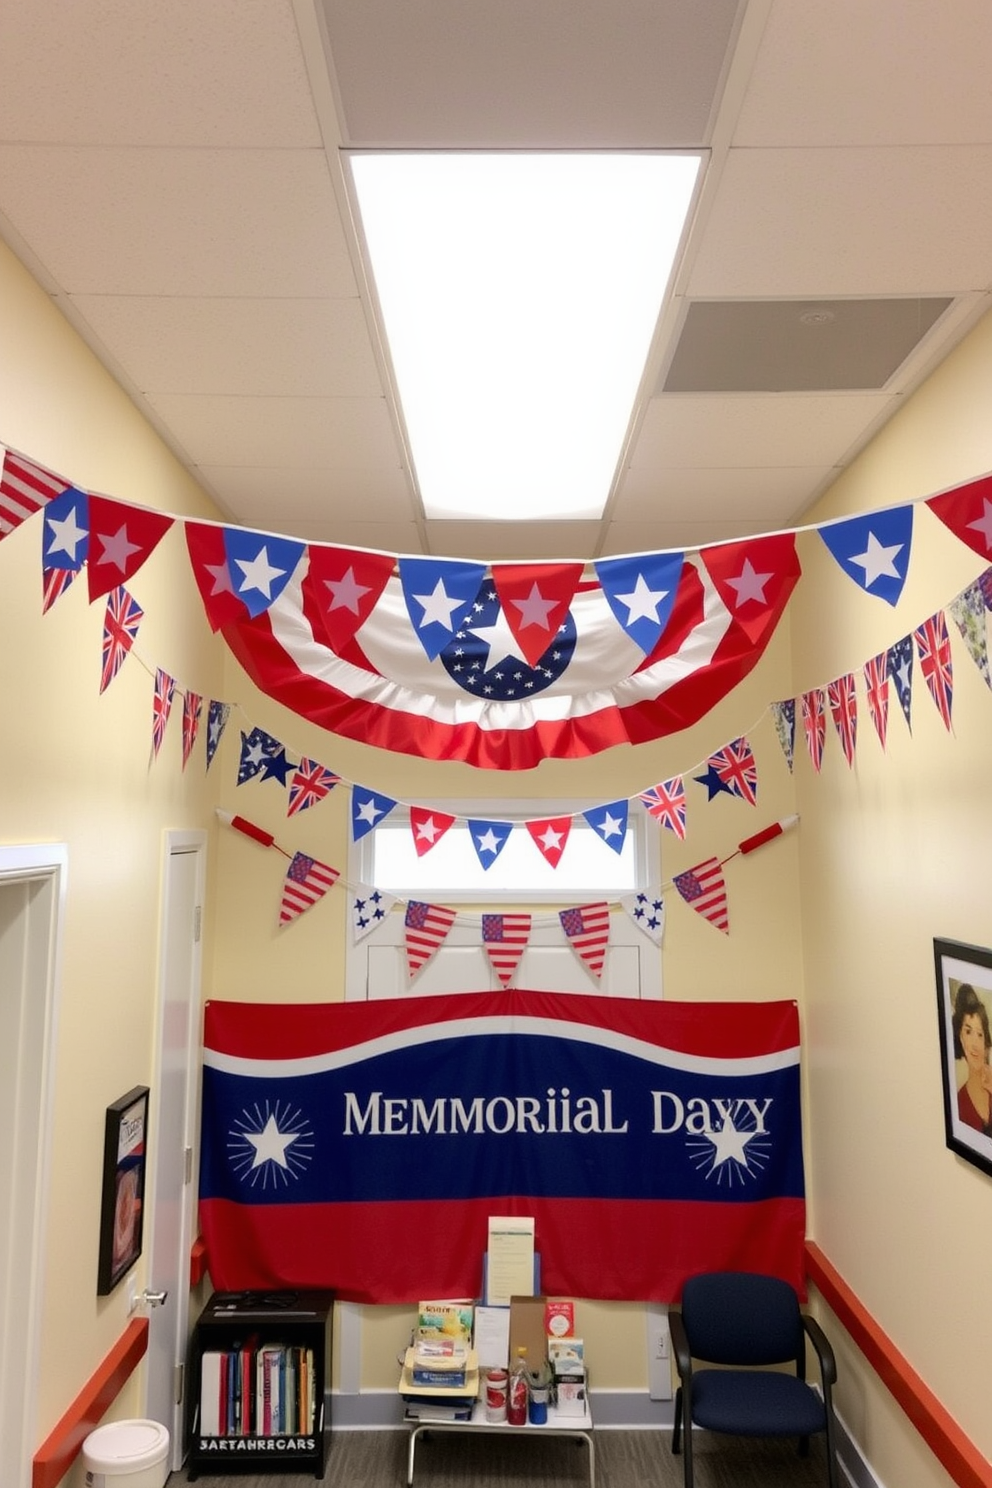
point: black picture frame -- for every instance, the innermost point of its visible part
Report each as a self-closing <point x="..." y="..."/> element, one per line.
<point x="122" y="1204"/>
<point x="964" y="1004"/>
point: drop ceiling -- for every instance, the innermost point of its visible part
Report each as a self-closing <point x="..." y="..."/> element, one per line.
<point x="175" y="177"/>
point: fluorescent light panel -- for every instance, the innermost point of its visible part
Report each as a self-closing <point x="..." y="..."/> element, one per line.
<point x="519" y="294"/>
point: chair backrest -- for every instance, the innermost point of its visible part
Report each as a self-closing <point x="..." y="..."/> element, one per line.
<point x="742" y="1317"/>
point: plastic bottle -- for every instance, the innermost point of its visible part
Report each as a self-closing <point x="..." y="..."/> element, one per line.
<point x="516" y="1397"/>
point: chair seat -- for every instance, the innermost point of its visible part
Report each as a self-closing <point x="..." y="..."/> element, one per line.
<point x="755" y="1403"/>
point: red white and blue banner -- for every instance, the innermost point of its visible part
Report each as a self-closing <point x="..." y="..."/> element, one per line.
<point x="362" y="1147"/>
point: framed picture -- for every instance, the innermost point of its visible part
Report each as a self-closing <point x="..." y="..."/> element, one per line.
<point x="964" y="1011"/>
<point x="122" y="1207"/>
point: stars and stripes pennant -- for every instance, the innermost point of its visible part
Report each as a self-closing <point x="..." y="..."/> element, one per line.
<point x="307" y="880"/>
<point x="610" y="823"/>
<point x="640" y="590"/>
<point x="666" y="803"/>
<point x="208" y="560"/>
<point x="933" y="646"/>
<point x="754" y="579"/>
<point x="368" y="809"/>
<point x="25" y="487"/>
<point x="259" y="565"/>
<point x="874" y="550"/>
<point x="165" y="691"/>
<point x="218" y="714"/>
<point x="428" y="827"/>
<point x="256" y="747"/>
<point x="968" y="612"/>
<point x="439" y="594"/>
<point x="784" y="718"/>
<point x="66" y="530"/>
<point x="505" y="938"/>
<point x="550" y="837"/>
<point x="426" y="928"/>
<point x="899" y="665"/>
<point x="647" y="910"/>
<point x="815" y="725"/>
<point x="192" y="712"/>
<point x="55" y="581"/>
<point x="122" y="538"/>
<point x="121" y="623"/>
<point x="736" y="768"/>
<point x="877" y="694"/>
<point x="311" y="782"/>
<point x="587" y="927"/>
<point x="341" y="589"/>
<point x="704" y="890"/>
<point x="844" y="712"/>
<point x="369" y="907"/>
<point x="967" y="512"/>
<point x="489" y="839"/>
<point x="535" y="599"/>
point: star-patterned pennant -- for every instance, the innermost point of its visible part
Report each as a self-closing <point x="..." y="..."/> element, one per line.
<point x="122" y="538"/>
<point x="535" y="599"/>
<point x="439" y="594"/>
<point x="933" y="646"/>
<point x="703" y="888"/>
<point x="967" y="511"/>
<point x="165" y="691"/>
<point x="66" y="531"/>
<point x="874" y="550"/>
<point x="341" y="589"/>
<point x="505" y="938"/>
<point x="550" y="836"/>
<point x="489" y="839"/>
<point x="735" y="765"/>
<point x="899" y="665"/>
<point x="310" y="784"/>
<point x="610" y="823"/>
<point x="984" y="582"/>
<point x="369" y="907"/>
<point x="307" y="880"/>
<point x="641" y="593"/>
<point x="122" y="619"/>
<point x="755" y="579"/>
<point x="208" y="560"/>
<point x="368" y="811"/>
<point x="25" y="487"/>
<point x="666" y="803"/>
<point x="587" y="927"/>
<point x="814" y="710"/>
<point x="968" y="613"/>
<point x="714" y="782"/>
<point x="55" y="581"/>
<point x="192" y="712"/>
<point x="647" y="910"/>
<point x="877" y="694"/>
<point x="256" y="747"/>
<point x="427" y="925"/>
<point x="260" y="566"/>
<point x="277" y="765"/>
<point x="844" y="712"/>
<point x="218" y="714"/>
<point x="428" y="827"/>
<point x="784" y="717"/>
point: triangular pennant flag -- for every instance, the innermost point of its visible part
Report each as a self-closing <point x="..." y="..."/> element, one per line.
<point x="217" y="716"/>
<point x="505" y="938"/>
<point x="587" y="927"/>
<point x="967" y="511"/>
<point x="784" y="715"/>
<point x="428" y="827"/>
<point x="933" y="646"/>
<point x="260" y="565"/>
<point x="489" y="839"/>
<point x="367" y="811"/>
<point x="736" y="768"/>
<point x="666" y="803"/>
<point x="844" y="712"/>
<point x="192" y="710"/>
<point x="256" y="748"/>
<point x="641" y="593"/>
<point x="647" y="910"/>
<point x="66" y="531"/>
<point x="968" y="612"/>
<point x="208" y="560"/>
<point x="984" y="582"/>
<point x="754" y="579"/>
<point x="311" y="783"/>
<point x="369" y="907"/>
<point x="714" y="782"/>
<point x="307" y="880"/>
<point x="877" y="692"/>
<point x="535" y="598"/>
<point x="426" y="927"/>
<point x="55" y="581"/>
<point x="25" y="487"/>
<point x="341" y="589"/>
<point x="873" y="550"/>
<point x="550" y="837"/>
<point x="610" y="823"/>
<point x="899" y="665"/>
<point x="277" y="765"/>
<point x="121" y="621"/>
<point x="704" y="889"/>
<point x="815" y="725"/>
<point x="439" y="594"/>
<point x="165" y="691"/>
<point x="122" y="537"/>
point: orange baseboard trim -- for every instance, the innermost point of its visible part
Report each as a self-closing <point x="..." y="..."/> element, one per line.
<point x="955" y="1452"/>
<point x="64" y="1443"/>
<point x="197" y="1262"/>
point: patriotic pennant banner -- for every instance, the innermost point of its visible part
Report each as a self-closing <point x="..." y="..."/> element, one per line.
<point x="844" y="712"/>
<point x="192" y="711"/>
<point x="369" y="907"/>
<point x="877" y="691"/>
<point x="505" y="938"/>
<point x="934" y="649"/>
<point x="307" y="880"/>
<point x="704" y="889"/>
<point x="874" y="550"/>
<point x="121" y="622"/>
<point x="361" y="1147"/>
<point x="165" y="691"/>
<point x="587" y="927"/>
<point x="647" y="912"/>
<point x="784" y="715"/>
<point x="427" y="925"/>
<point x="666" y="803"/>
<point x="815" y="725"/>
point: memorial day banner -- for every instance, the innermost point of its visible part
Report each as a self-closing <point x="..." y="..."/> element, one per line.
<point x="362" y="1147"/>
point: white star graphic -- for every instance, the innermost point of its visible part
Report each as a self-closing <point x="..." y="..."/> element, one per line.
<point x="256" y="753"/>
<point x="729" y="1143"/>
<point x="609" y="826"/>
<point x="643" y="602"/>
<point x="877" y="560"/>
<point x="428" y="831"/>
<point x="258" y="573"/>
<point x="270" y="1144"/>
<point x="534" y="610"/>
<point x="368" y="811"/>
<point x="984" y="524"/>
<point x="750" y="585"/>
<point x="549" y="839"/>
<point x="67" y="535"/>
<point x="437" y="606"/>
<point x="501" y="642"/>
<point x="221" y="575"/>
<point x="346" y="592"/>
<point x="116" y="549"/>
<point x="488" y="842"/>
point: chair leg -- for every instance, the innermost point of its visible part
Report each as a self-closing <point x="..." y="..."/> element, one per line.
<point x="677" y="1422"/>
<point x="804" y="1446"/>
<point x="687" y="1467"/>
<point x="832" y="1479"/>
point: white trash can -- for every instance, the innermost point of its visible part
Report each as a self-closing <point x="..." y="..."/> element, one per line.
<point x="127" y="1454"/>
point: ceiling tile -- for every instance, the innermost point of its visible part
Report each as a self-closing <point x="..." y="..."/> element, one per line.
<point x="773" y="495"/>
<point x="387" y="537"/>
<point x="730" y="431"/>
<point x="339" y="433"/>
<point x="683" y="532"/>
<point x="539" y="541"/>
<point x="263" y="495"/>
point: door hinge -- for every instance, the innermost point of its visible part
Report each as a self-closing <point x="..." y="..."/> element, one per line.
<point x="197" y="922"/>
<point x="180" y="1381"/>
<point x="187" y="1165"/>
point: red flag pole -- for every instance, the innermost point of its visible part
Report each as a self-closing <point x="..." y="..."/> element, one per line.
<point x="257" y="834"/>
<point x="767" y="835"/>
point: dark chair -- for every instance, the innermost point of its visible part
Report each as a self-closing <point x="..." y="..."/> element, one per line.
<point x="742" y="1320"/>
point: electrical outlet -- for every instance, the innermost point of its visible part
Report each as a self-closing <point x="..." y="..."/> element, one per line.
<point x="659" y="1340"/>
<point x="132" y="1296"/>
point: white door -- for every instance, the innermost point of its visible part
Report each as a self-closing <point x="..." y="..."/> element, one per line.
<point x="173" y="1123"/>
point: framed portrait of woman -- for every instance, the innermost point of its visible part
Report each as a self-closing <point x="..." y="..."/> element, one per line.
<point x="125" y="1145"/>
<point x="964" y="1011"/>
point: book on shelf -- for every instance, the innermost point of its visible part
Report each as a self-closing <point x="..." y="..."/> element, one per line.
<point x="422" y="1410"/>
<point x="210" y="1387"/>
<point x="447" y="1319"/>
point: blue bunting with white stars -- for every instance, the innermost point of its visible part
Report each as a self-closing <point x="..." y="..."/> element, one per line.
<point x="874" y="550"/>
